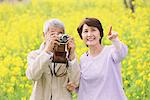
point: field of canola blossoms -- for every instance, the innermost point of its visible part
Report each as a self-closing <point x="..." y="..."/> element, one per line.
<point x="21" y="32"/>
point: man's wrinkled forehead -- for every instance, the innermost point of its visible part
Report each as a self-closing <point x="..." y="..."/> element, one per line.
<point x="53" y="29"/>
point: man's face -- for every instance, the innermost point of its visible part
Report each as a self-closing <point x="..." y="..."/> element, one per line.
<point x="55" y="31"/>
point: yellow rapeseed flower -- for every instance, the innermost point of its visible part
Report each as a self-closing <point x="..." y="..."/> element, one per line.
<point x="138" y="82"/>
<point x="10" y="90"/>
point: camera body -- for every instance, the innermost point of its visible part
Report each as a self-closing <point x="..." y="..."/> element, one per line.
<point x="60" y="51"/>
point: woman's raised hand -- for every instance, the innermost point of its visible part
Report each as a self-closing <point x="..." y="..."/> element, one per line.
<point x="112" y="35"/>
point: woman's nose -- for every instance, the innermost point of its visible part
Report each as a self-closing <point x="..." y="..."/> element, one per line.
<point x="89" y="34"/>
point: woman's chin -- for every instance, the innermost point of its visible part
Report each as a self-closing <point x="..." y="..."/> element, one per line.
<point x="90" y="44"/>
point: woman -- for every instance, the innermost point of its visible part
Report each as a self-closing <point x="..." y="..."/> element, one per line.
<point x="101" y="65"/>
<point x="50" y="79"/>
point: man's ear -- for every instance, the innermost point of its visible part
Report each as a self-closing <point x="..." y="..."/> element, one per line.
<point x="44" y="37"/>
<point x="43" y="34"/>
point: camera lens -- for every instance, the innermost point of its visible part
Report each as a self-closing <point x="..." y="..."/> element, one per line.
<point x="64" y="38"/>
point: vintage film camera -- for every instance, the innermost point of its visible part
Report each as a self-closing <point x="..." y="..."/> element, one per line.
<point x="60" y="51"/>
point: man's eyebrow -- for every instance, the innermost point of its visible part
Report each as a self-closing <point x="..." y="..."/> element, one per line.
<point x="60" y="32"/>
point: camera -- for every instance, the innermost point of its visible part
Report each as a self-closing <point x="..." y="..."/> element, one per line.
<point x="60" y="51"/>
<point x="63" y="38"/>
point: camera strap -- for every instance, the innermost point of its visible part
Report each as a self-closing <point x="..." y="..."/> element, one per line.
<point x="50" y="70"/>
<point x="61" y="74"/>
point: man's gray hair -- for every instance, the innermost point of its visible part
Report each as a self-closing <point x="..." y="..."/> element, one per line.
<point x="53" y="22"/>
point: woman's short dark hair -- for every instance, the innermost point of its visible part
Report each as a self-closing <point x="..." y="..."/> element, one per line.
<point x="91" y="22"/>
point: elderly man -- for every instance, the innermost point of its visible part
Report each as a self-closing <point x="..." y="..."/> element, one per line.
<point x="50" y="78"/>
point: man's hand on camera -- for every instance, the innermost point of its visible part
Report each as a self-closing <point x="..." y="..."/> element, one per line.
<point x="71" y="48"/>
<point x="52" y="41"/>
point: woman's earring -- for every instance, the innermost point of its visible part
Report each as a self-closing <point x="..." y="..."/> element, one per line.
<point x="100" y="40"/>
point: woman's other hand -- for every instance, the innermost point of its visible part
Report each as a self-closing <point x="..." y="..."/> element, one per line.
<point x="71" y="87"/>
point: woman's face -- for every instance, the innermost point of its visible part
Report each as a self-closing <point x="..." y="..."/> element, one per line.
<point x="90" y="35"/>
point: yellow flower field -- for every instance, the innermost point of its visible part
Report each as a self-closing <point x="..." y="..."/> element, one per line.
<point x="21" y="27"/>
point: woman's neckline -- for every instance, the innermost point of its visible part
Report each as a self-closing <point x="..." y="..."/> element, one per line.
<point x="100" y="53"/>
